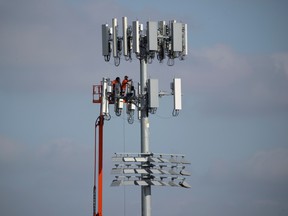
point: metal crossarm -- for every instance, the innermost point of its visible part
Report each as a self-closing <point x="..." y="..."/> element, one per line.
<point x="149" y="169"/>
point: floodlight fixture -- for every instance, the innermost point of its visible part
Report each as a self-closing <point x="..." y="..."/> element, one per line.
<point x="151" y="169"/>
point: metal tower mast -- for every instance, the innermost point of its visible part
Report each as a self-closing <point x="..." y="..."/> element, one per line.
<point x="159" y="40"/>
<point x="145" y="190"/>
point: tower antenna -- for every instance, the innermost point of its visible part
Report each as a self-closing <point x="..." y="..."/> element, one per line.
<point x="160" y="40"/>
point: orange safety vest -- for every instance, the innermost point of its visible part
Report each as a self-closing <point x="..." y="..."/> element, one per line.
<point x="124" y="83"/>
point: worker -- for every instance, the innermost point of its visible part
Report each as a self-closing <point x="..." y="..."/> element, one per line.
<point x="117" y="80"/>
<point x="116" y="84"/>
<point x="125" y="82"/>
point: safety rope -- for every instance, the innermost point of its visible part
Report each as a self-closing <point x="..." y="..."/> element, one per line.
<point x="124" y="150"/>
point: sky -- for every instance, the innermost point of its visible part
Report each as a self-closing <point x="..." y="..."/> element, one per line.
<point x="233" y="127"/>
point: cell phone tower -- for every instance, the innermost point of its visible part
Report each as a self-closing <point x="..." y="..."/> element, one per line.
<point x="159" y="40"/>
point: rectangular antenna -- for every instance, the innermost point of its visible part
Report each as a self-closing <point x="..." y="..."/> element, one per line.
<point x="153" y="93"/>
<point x="176" y="37"/>
<point x="185" y="40"/>
<point x="115" y="40"/>
<point x="136" y="36"/>
<point x="177" y="94"/>
<point x="105" y="40"/>
<point x="124" y="26"/>
<point x="152" y="30"/>
<point x="104" y="101"/>
<point x="162" y="28"/>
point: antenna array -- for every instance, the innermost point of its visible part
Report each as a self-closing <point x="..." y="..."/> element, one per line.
<point x="159" y="39"/>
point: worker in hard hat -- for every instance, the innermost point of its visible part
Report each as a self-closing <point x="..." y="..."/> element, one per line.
<point x="116" y="84"/>
<point x="125" y="84"/>
<point x="117" y="80"/>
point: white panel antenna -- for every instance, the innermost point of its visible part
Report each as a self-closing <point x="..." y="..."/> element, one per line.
<point x="170" y="26"/>
<point x="105" y="41"/>
<point x="136" y="36"/>
<point x="104" y="101"/>
<point x="185" y="40"/>
<point x="115" y="39"/>
<point x="177" y="94"/>
<point x="162" y="28"/>
<point x="153" y="93"/>
<point x="176" y="36"/>
<point x="125" y="41"/>
<point x="152" y="30"/>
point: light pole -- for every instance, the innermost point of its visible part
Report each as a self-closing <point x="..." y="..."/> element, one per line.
<point x="145" y="190"/>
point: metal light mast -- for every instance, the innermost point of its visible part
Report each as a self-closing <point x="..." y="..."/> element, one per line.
<point x="161" y="40"/>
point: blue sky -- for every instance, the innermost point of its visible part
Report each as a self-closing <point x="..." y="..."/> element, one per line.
<point x="233" y="126"/>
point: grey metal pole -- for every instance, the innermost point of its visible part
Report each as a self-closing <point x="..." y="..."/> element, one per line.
<point x="144" y="108"/>
<point x="145" y="190"/>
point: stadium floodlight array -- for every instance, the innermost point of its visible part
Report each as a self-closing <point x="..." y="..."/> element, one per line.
<point x="150" y="169"/>
<point x="159" y="39"/>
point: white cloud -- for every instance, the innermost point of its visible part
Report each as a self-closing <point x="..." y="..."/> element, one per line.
<point x="263" y="167"/>
<point x="257" y="184"/>
<point x="281" y="62"/>
<point x="217" y="67"/>
<point x="269" y="165"/>
<point x="46" y="45"/>
<point x="59" y="154"/>
<point x="45" y="177"/>
<point x="9" y="150"/>
<point x="233" y="83"/>
<point x="63" y="154"/>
